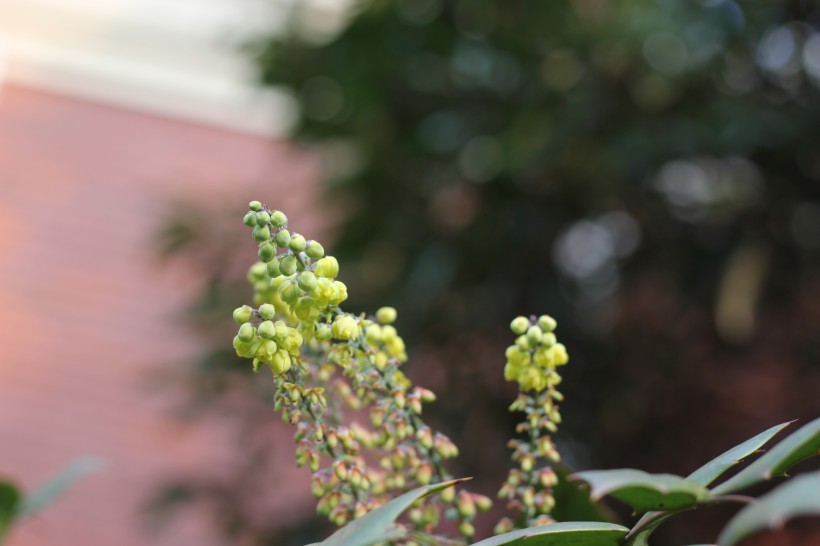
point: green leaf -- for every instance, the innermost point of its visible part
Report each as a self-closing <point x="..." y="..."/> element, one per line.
<point x="644" y="491"/>
<point x="9" y="503"/>
<point x="798" y="446"/>
<point x="378" y="525"/>
<point x="570" y="533"/>
<point x="709" y="472"/>
<point x="795" y="498"/>
<point x="57" y="485"/>
<point x="712" y="470"/>
<point x="572" y="502"/>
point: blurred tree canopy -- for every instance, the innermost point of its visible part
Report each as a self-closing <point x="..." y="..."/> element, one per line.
<point x="647" y="171"/>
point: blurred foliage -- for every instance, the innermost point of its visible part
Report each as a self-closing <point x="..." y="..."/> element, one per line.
<point x="647" y="171"/>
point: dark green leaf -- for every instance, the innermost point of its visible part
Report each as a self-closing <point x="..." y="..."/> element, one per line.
<point x="709" y="472"/>
<point x="644" y="491"/>
<point x="56" y="485"/>
<point x="798" y="446"/>
<point x="570" y="533"/>
<point x="795" y="498"/>
<point x="9" y="503"/>
<point x="572" y="502"/>
<point x="378" y="525"/>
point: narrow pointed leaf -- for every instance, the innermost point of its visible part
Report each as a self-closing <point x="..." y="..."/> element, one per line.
<point x="794" y="498"/>
<point x="712" y="470"/>
<point x="9" y="503"/>
<point x="570" y="533"/>
<point x="53" y="488"/>
<point x="643" y="491"/>
<point x="798" y="446"/>
<point x="378" y="525"/>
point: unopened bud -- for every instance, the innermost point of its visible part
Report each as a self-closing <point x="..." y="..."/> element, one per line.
<point x="262" y="218"/>
<point x="466" y="529"/>
<point x="466" y="505"/>
<point x="250" y="219"/>
<point x="261" y="234"/>
<point x="297" y="243"/>
<point x="246" y="332"/>
<point x="314" y="250"/>
<point x="547" y="323"/>
<point x="327" y="267"/>
<point x="307" y="281"/>
<point x="267" y="311"/>
<point x="424" y="474"/>
<point x="267" y="252"/>
<point x="242" y="314"/>
<point x="386" y="315"/>
<point x="266" y="330"/>
<point x="289" y="265"/>
<point x="519" y="325"/>
<point x="482" y="502"/>
<point x="278" y="218"/>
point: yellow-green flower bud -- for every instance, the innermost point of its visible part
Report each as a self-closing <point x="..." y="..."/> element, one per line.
<point x="297" y="243"/>
<point x="267" y="349"/>
<point x="534" y="334"/>
<point x="278" y="218"/>
<point x="289" y="292"/>
<point x="504" y="526"/>
<point x="466" y="529"/>
<point x="327" y="267"/>
<point x="267" y="252"/>
<point x="307" y="281"/>
<point x="306" y="309"/>
<point x="519" y="325"/>
<point x="314" y="250"/>
<point x="386" y="315"/>
<point x="547" y="323"/>
<point x="267" y="311"/>
<point x="424" y="474"/>
<point x="266" y="330"/>
<point x="273" y="269"/>
<point x="323" y="332"/>
<point x="262" y="218"/>
<point x="289" y="265"/>
<point x="483" y="502"/>
<point x="255" y="205"/>
<point x="246" y="332"/>
<point x="257" y="272"/>
<point x="465" y="505"/>
<point x="249" y="219"/>
<point x="280" y="363"/>
<point x="282" y="238"/>
<point x="242" y="314"/>
<point x="344" y="327"/>
<point x="261" y="234"/>
<point x="448" y="495"/>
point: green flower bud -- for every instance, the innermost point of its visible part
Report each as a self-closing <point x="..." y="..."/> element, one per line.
<point x="257" y="272"/>
<point x="534" y="334"/>
<point x="323" y="332"/>
<point x="386" y="315"/>
<point x="307" y="281"/>
<point x="466" y="529"/>
<point x="246" y="332"/>
<point x="266" y="350"/>
<point x="278" y="218"/>
<point x="289" y="292"/>
<point x="297" y="243"/>
<point x="327" y="267"/>
<point x="249" y="219"/>
<point x="282" y="238"/>
<point x="267" y="252"/>
<point x="266" y="330"/>
<point x="242" y="314"/>
<point x="547" y="323"/>
<point x="273" y="268"/>
<point x="261" y="234"/>
<point x="280" y="363"/>
<point x="267" y="311"/>
<point x="288" y="265"/>
<point x="519" y="325"/>
<point x="483" y="502"/>
<point x="255" y="205"/>
<point x="314" y="250"/>
<point x="306" y="309"/>
<point x="262" y="218"/>
<point x="344" y="327"/>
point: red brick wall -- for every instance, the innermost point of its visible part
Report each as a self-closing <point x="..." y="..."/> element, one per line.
<point x="86" y="314"/>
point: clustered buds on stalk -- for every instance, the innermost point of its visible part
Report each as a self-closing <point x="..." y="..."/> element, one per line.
<point x="323" y="360"/>
<point x="531" y="362"/>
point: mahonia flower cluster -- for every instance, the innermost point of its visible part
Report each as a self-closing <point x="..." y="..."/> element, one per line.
<point x="324" y="360"/>
<point x="531" y="362"/>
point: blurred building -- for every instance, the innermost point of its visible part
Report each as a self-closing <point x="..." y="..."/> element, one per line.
<point x="108" y="110"/>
